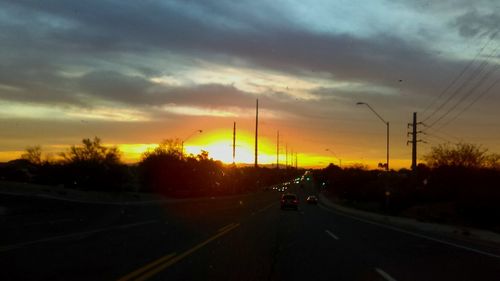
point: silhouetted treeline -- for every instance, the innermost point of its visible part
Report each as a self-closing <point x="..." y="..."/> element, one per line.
<point x="444" y="194"/>
<point x="165" y="170"/>
<point x="90" y="165"/>
<point x="168" y="171"/>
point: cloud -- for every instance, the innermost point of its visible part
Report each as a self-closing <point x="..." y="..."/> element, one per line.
<point x="177" y="61"/>
<point x="267" y="39"/>
<point x="474" y="23"/>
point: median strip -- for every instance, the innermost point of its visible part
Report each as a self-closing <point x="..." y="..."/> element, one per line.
<point x="161" y="264"/>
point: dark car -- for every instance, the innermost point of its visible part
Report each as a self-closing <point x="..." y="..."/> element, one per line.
<point x="312" y="199"/>
<point x="289" y="200"/>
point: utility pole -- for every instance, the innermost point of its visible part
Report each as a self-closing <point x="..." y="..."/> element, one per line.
<point x="296" y="161"/>
<point x="414" y="140"/>
<point x="256" y="132"/>
<point x="278" y="150"/>
<point x="414" y="143"/>
<point x="234" y="142"/>
<point x="286" y="156"/>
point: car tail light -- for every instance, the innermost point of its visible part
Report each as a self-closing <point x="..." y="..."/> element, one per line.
<point x="296" y="201"/>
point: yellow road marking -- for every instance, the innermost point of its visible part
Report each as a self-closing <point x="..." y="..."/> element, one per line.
<point x="158" y="266"/>
<point x="146" y="267"/>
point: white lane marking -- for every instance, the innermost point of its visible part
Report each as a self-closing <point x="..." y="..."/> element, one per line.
<point x="416" y="234"/>
<point x="265" y="208"/>
<point x="72" y="235"/>
<point x="384" y="274"/>
<point x="224" y="228"/>
<point x="332" y="235"/>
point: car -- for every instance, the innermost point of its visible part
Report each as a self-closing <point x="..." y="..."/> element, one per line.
<point x="289" y="200"/>
<point x="311" y="199"/>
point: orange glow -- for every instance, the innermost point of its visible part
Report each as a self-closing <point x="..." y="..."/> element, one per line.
<point x="6" y="156"/>
<point x="133" y="152"/>
<point x="219" y="145"/>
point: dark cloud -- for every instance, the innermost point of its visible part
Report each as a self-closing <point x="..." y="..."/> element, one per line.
<point x="473" y="23"/>
<point x="113" y="43"/>
<point x="103" y="30"/>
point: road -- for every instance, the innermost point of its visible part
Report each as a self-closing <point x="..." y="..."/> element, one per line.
<point x="237" y="238"/>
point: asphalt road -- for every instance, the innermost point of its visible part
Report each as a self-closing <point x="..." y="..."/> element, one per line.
<point x="238" y="238"/>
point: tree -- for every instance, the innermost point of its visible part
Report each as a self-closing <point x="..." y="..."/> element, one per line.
<point x="460" y="155"/>
<point x="92" y="151"/>
<point x="33" y="155"/>
<point x="168" y="147"/>
<point x="493" y="161"/>
<point x="94" y="166"/>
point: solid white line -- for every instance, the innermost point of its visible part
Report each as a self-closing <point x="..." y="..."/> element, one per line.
<point x="415" y="234"/>
<point x="384" y="274"/>
<point x="332" y="235"/>
<point x="72" y="235"/>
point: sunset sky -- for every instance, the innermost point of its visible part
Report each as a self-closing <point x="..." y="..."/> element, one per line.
<point x="136" y="72"/>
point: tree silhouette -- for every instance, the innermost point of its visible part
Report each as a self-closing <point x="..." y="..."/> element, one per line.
<point x="92" y="151"/>
<point x="461" y="155"/>
<point x="94" y="166"/>
<point x="33" y="155"/>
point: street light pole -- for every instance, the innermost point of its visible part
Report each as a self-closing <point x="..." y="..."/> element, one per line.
<point x="340" y="160"/>
<point x="387" y="124"/>
<point x="188" y="137"/>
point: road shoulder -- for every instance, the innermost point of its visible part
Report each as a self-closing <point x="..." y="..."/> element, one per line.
<point x="479" y="237"/>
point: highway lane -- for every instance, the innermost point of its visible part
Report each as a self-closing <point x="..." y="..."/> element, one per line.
<point x="247" y="238"/>
<point x="319" y="244"/>
<point x="109" y="240"/>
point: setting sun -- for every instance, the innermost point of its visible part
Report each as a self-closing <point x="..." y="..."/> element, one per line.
<point x="219" y="145"/>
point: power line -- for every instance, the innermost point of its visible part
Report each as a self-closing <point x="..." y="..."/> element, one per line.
<point x="464" y="70"/>
<point x="458" y="89"/>
<point x="481" y="95"/>
<point x="476" y="72"/>
<point x="467" y="94"/>
<point x="438" y="137"/>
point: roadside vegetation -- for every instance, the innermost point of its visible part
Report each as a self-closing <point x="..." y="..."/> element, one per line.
<point x="458" y="184"/>
<point x="165" y="170"/>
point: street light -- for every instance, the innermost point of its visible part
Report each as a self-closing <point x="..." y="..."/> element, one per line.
<point x="188" y="137"/>
<point x="387" y="124"/>
<point x="340" y="160"/>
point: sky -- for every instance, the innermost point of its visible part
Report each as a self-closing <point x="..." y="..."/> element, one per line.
<point x="137" y="72"/>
